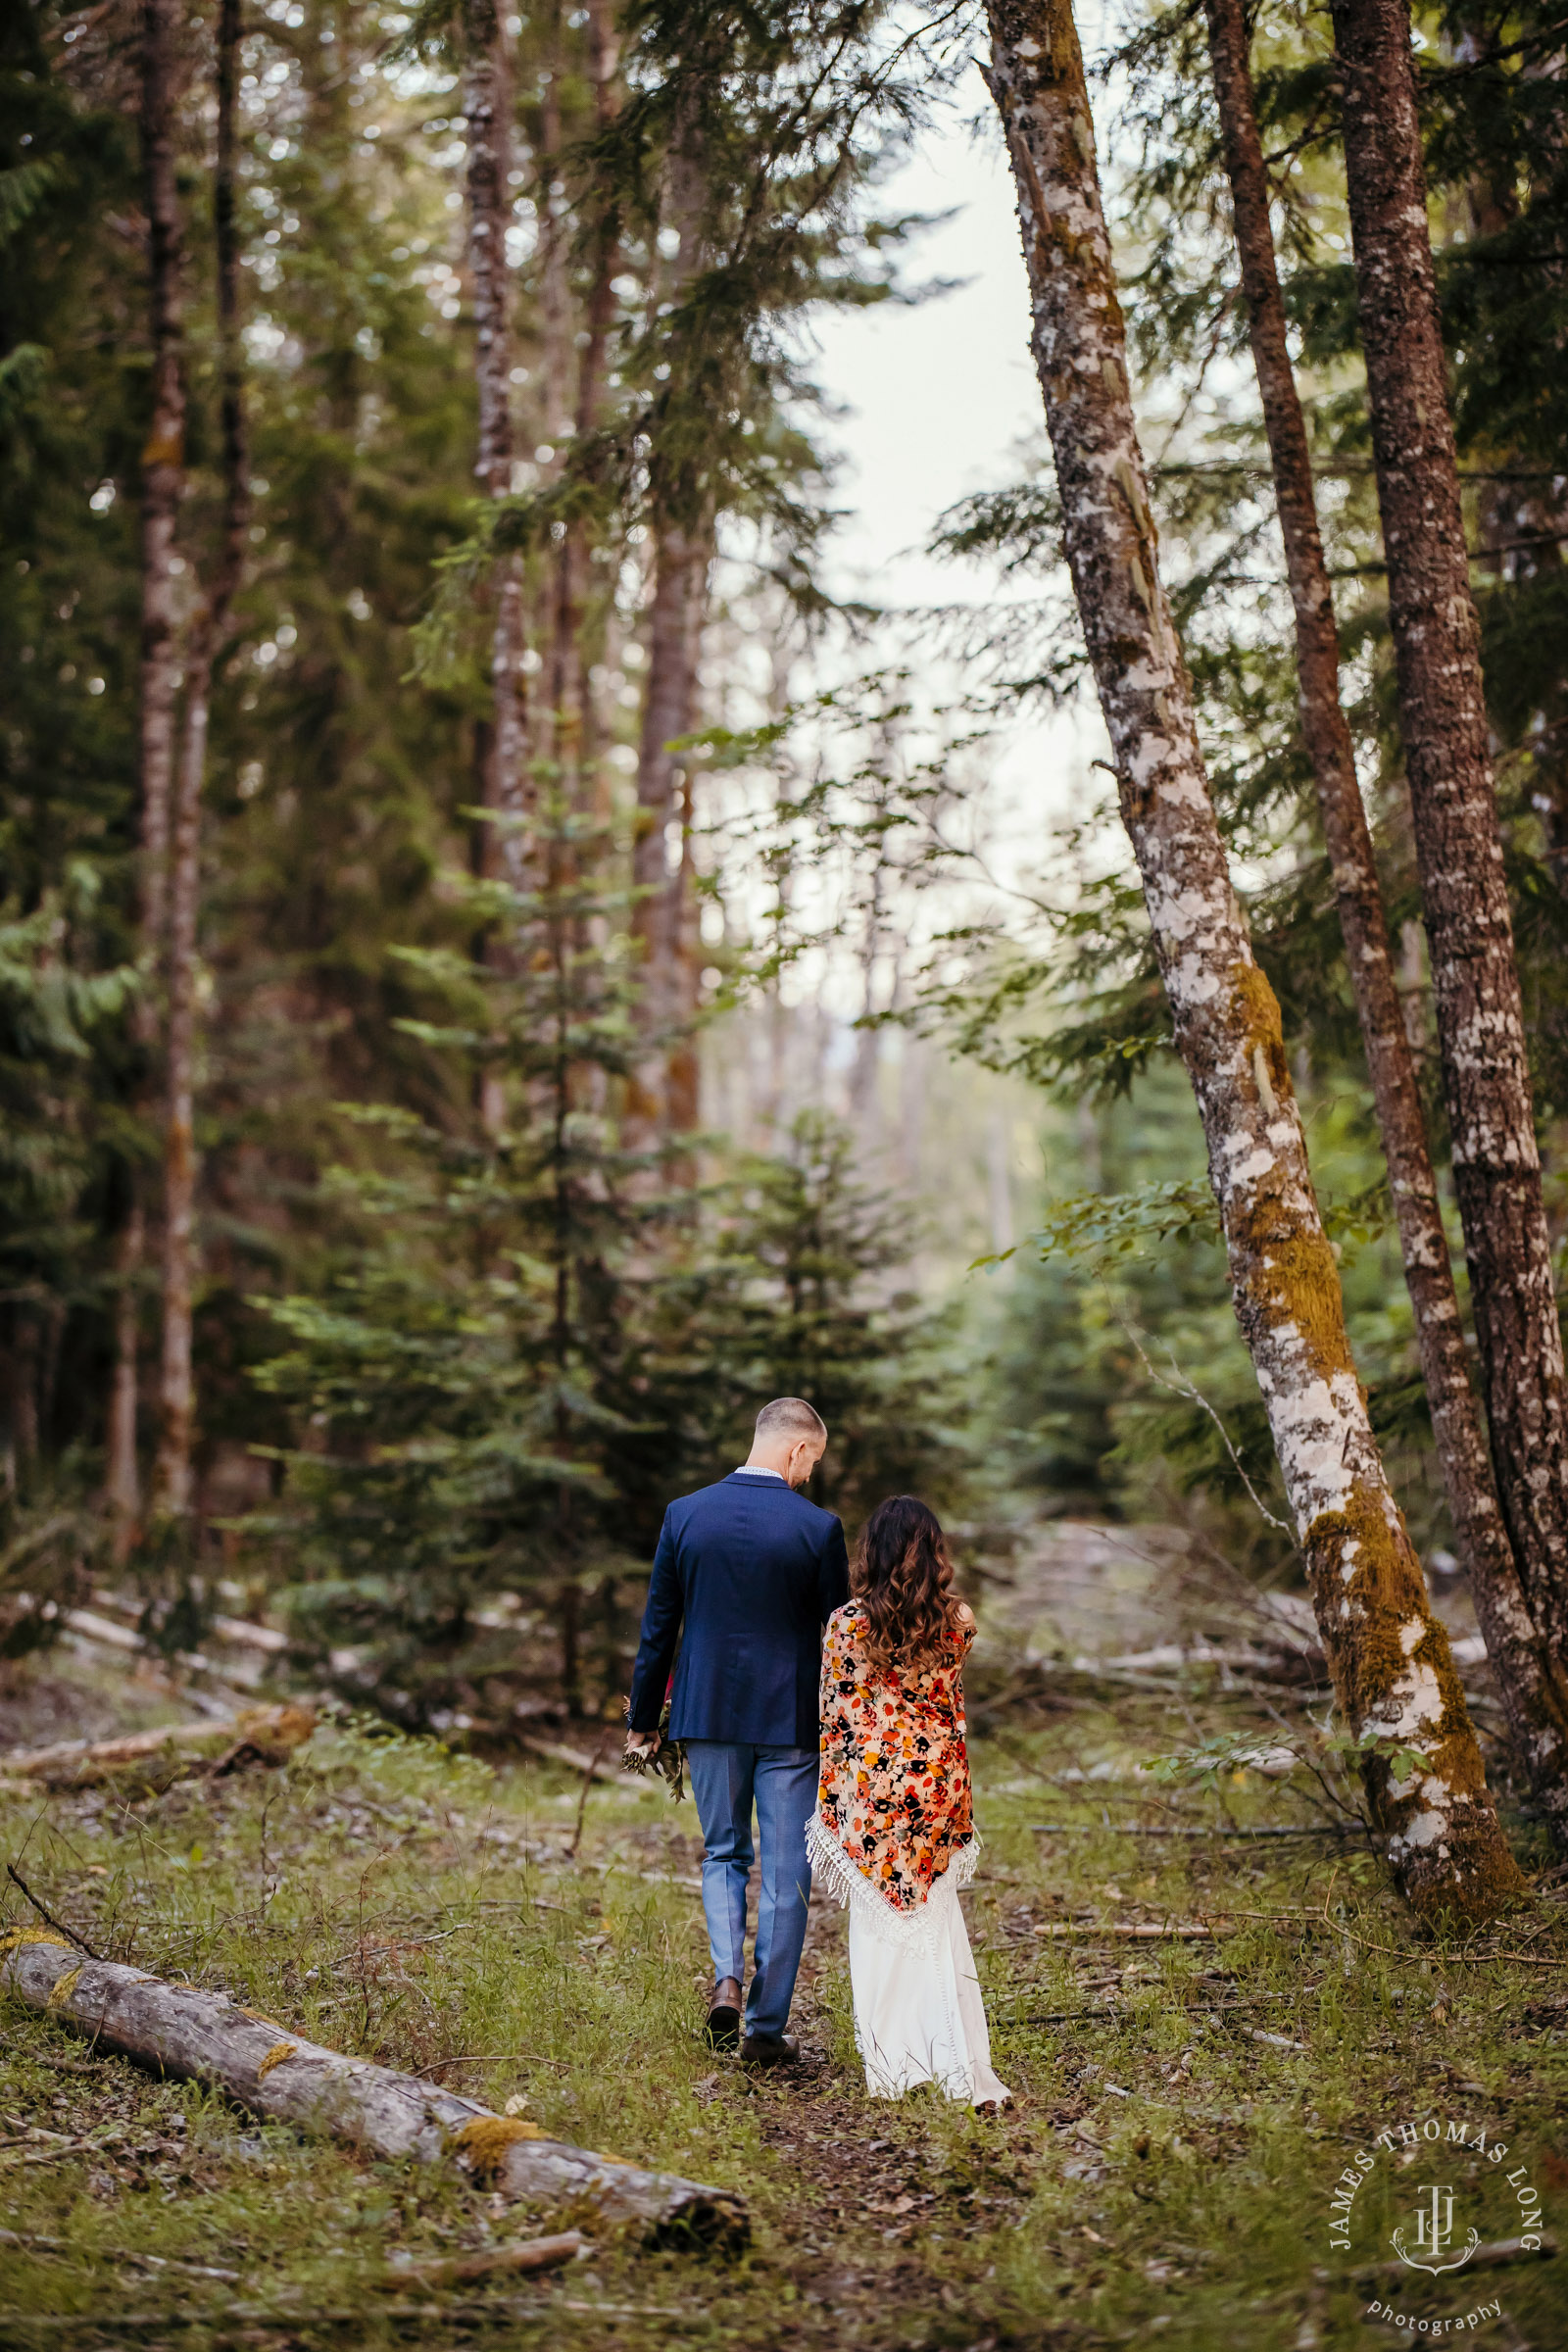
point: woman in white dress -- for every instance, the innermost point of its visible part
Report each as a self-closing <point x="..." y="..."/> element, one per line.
<point x="893" y="1835"/>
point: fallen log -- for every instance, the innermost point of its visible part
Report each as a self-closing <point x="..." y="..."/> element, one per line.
<point x="263" y="1735"/>
<point x="206" y="2037"/>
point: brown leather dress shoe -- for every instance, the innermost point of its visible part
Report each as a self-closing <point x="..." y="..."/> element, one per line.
<point x="768" y="2049"/>
<point x="723" y="2028"/>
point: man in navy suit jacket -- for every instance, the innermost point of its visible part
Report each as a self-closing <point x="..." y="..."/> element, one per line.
<point x="754" y="1571"/>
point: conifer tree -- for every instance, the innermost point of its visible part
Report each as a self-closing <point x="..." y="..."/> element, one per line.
<point x="1389" y="1654"/>
<point x="469" y="1375"/>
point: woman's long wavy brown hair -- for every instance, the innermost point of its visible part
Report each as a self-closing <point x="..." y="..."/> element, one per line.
<point x="903" y="1579"/>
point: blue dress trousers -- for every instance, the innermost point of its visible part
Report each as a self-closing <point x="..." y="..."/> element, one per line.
<point x="752" y="1572"/>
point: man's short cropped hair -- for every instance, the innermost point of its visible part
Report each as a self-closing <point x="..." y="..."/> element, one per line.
<point x="791" y="1417"/>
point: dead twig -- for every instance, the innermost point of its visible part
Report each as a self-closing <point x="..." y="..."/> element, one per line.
<point x="71" y="2147"/>
<point x="588" y="1778"/>
<point x="47" y="1916"/>
<point x="493" y="2058"/>
<point x="59" y="2066"/>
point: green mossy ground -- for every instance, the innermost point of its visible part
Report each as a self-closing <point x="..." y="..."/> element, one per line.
<point x="1165" y="2174"/>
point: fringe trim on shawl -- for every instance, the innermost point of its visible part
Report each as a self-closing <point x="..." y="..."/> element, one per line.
<point x="849" y="1887"/>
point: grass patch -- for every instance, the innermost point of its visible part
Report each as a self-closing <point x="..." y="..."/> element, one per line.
<point x="1185" y="2109"/>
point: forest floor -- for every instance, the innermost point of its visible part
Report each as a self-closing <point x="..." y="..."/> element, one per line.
<point x="1186" y="2107"/>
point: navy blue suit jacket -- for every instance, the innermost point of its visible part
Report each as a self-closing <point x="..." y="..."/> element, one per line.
<point x="756" y="1571"/>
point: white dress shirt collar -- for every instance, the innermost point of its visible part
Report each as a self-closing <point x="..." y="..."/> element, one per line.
<point x="756" y="1470"/>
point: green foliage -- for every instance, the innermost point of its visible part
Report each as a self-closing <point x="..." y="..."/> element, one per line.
<point x="45" y="1550"/>
<point x="349" y="727"/>
<point x="794" y="1296"/>
<point x="502" y="1350"/>
<point x="465" y="1376"/>
<point x="531" y="1338"/>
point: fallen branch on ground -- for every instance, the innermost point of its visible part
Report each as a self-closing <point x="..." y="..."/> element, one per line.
<point x="59" y="2066"/>
<point x="1148" y="1930"/>
<point x="439" y="2066"/>
<point x="263" y="1735"/>
<point x="527" y="2254"/>
<point x="288" y="2318"/>
<point x="575" y="1761"/>
<point x="1484" y="2258"/>
<point x="206" y="2037"/>
<point x="1127" y="1829"/>
<point x="120" y="1629"/>
<point x="33" y="2242"/>
<point x="187" y="2270"/>
<point x="1173" y="1657"/>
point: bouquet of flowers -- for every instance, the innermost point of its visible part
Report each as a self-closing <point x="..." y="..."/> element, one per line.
<point x="667" y="1756"/>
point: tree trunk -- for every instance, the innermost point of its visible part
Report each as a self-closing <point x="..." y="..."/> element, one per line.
<point x="661" y="1094"/>
<point x="553" y="292"/>
<point x="122" y="1475"/>
<point x="674" y="632"/>
<point x="163" y="461"/>
<point x="203" y="2037"/>
<point x="579" y="758"/>
<point x="1485" y="1073"/>
<point x="601" y="310"/>
<point x="19" y="1353"/>
<point x="173" y="1470"/>
<point x="683" y="1079"/>
<point x="1534" y="1699"/>
<point x="163" y="486"/>
<point x="1389" y="1657"/>
<point x="487" y="105"/>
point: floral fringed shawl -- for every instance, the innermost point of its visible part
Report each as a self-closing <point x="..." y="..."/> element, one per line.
<point x="892" y="1808"/>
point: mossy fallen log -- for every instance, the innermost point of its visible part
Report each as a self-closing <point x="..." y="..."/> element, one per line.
<point x="258" y="1735"/>
<point x="206" y="2037"/>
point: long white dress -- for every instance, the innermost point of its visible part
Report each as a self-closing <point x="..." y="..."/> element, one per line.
<point x="918" y="2012"/>
<point x="893" y="1837"/>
